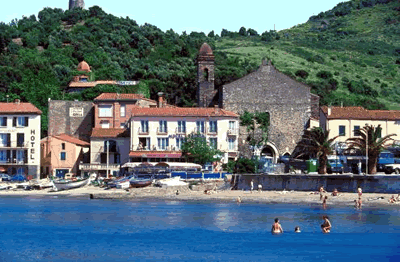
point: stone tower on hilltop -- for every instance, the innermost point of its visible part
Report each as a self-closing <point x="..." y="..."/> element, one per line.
<point x="205" y="76"/>
<point x="76" y="3"/>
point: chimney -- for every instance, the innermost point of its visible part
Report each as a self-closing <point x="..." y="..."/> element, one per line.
<point x="329" y="110"/>
<point x="17" y="101"/>
<point x="160" y="99"/>
<point x="216" y="109"/>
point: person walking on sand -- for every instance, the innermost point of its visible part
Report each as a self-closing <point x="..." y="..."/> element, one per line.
<point x="259" y="187"/>
<point x="324" y="202"/>
<point x="276" y="227"/>
<point x="326" y="226"/>
<point x="321" y="191"/>
<point x="359" y="190"/>
<point x="251" y="185"/>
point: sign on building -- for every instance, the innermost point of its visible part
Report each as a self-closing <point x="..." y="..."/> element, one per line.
<point x="127" y="83"/>
<point x="76" y="112"/>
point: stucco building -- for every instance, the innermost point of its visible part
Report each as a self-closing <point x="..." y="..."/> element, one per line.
<point x="61" y="154"/>
<point x="20" y="139"/>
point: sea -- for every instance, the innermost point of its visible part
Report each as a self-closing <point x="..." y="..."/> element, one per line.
<point x="55" y="228"/>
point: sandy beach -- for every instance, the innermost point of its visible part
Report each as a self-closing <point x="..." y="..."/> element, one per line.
<point x="222" y="193"/>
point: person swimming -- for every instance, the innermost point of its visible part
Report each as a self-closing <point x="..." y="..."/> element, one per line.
<point x="297" y="230"/>
<point x="276" y="227"/>
<point x="326" y="226"/>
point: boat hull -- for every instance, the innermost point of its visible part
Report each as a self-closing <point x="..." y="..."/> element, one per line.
<point x="59" y="186"/>
<point x="140" y="183"/>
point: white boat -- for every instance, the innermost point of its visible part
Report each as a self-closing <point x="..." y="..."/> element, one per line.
<point x="70" y="184"/>
<point x="123" y="185"/>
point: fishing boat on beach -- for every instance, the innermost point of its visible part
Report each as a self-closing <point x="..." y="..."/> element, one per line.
<point x="65" y="184"/>
<point x="136" y="183"/>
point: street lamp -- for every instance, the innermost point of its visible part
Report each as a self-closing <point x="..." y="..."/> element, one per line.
<point x="108" y="146"/>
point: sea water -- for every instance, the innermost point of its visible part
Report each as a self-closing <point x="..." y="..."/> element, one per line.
<point x="79" y="229"/>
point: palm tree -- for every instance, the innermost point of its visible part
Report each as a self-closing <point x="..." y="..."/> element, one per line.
<point x="316" y="142"/>
<point x="375" y="144"/>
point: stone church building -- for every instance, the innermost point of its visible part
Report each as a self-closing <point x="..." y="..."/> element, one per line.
<point x="289" y="103"/>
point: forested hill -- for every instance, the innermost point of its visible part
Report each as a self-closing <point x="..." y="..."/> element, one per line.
<point x="350" y="55"/>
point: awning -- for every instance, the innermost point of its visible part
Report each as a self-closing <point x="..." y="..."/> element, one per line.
<point x="151" y="154"/>
<point x="138" y="164"/>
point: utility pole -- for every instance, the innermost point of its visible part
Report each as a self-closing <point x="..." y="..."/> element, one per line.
<point x="108" y="146"/>
<point x="366" y="156"/>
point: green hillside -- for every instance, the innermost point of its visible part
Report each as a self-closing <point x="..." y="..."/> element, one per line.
<point x="349" y="55"/>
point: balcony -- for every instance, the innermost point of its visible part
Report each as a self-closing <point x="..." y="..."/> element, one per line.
<point x="233" y="132"/>
<point x="212" y="131"/>
<point x="181" y="131"/>
<point x="14" y="161"/>
<point x="200" y="131"/>
<point x="143" y="132"/>
<point x="89" y="167"/>
<point x="162" y="131"/>
<point x="15" y="144"/>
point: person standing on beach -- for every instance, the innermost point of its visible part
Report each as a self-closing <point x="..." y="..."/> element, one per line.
<point x="326" y="226"/>
<point x="359" y="190"/>
<point x="324" y="202"/>
<point x="321" y="191"/>
<point x="276" y="227"/>
<point x="251" y="185"/>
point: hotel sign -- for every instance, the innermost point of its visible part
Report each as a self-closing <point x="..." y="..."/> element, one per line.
<point x="76" y="112"/>
<point x="127" y="83"/>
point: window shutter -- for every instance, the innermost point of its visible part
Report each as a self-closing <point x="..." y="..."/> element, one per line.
<point x="8" y="140"/>
<point x="14" y="121"/>
<point x="8" y="156"/>
<point x="26" y="121"/>
<point x="25" y="156"/>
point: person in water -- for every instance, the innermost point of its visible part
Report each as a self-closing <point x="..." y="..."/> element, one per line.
<point x="324" y="202"/>
<point x="297" y="230"/>
<point x="335" y="192"/>
<point x="326" y="226"/>
<point x="276" y="227"/>
<point x="359" y="203"/>
<point x="238" y="200"/>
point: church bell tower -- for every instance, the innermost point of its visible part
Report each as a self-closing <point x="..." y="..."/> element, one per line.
<point x="205" y="76"/>
<point x="76" y="3"/>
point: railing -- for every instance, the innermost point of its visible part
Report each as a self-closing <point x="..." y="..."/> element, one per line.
<point x="15" y="144"/>
<point x="98" y="166"/>
<point x="14" y="161"/>
<point x="180" y="130"/>
<point x="143" y="132"/>
<point x="212" y="131"/>
<point x="162" y="131"/>
<point x="233" y="132"/>
<point x="139" y="147"/>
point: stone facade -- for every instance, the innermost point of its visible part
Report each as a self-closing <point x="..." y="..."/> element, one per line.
<point x="287" y="101"/>
<point x="76" y="3"/>
<point x="74" y="118"/>
<point x="206" y="91"/>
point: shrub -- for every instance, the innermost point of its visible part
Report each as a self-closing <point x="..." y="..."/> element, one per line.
<point x="377" y="80"/>
<point x="324" y="74"/>
<point x="336" y="73"/>
<point x="302" y="73"/>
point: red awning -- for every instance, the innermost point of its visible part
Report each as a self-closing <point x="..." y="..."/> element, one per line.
<point x="152" y="154"/>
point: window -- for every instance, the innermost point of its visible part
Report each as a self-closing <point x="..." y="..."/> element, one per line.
<point x="63" y="155"/>
<point x="163" y="143"/>
<point x="163" y="126"/>
<point x="379" y="132"/>
<point x="112" y="144"/>
<point x="231" y="143"/>
<point x="20" y="139"/>
<point x="213" y="142"/>
<point x="181" y="126"/>
<point x="342" y="130"/>
<point x="20" y="121"/>
<point x="105" y="111"/>
<point x="3" y="121"/>
<point x="20" y="156"/>
<point x="63" y="146"/>
<point x="122" y="109"/>
<point x="213" y="126"/>
<point x="231" y="125"/>
<point x="105" y="124"/>
<point x="3" y="156"/>
<point x="200" y="127"/>
<point x="356" y="130"/>
<point x="179" y="142"/>
<point x="144" y="126"/>
<point x="3" y="139"/>
<point x="144" y="143"/>
<point x="122" y="125"/>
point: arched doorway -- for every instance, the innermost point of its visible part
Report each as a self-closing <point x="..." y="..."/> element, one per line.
<point x="270" y="150"/>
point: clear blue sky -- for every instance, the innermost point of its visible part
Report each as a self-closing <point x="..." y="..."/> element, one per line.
<point x="186" y="15"/>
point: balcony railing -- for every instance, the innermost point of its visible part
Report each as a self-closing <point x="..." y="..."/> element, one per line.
<point x="212" y="131"/>
<point x="98" y="166"/>
<point x="143" y="132"/>
<point x="14" y="161"/>
<point x="200" y="131"/>
<point x="233" y="132"/>
<point x="15" y="144"/>
<point x="162" y="131"/>
<point x="180" y="131"/>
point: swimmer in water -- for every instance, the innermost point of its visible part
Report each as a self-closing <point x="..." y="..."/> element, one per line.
<point x="326" y="226"/>
<point x="324" y="202"/>
<point x="297" y="230"/>
<point x="276" y="227"/>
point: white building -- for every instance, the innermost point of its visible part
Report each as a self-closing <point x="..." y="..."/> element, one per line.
<point x="157" y="134"/>
<point x="20" y="139"/>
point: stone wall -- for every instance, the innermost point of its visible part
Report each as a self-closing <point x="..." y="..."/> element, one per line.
<point x="267" y="90"/>
<point x="343" y="183"/>
<point x="75" y="118"/>
<point x="206" y="89"/>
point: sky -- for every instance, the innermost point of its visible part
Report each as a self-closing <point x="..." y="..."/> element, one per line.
<point x="185" y="15"/>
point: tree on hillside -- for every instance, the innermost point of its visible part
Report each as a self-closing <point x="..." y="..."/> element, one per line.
<point x="370" y="137"/>
<point x="257" y="128"/>
<point x="243" y="31"/>
<point x="197" y="149"/>
<point x="316" y="142"/>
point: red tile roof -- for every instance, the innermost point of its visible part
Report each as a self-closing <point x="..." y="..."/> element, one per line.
<point x="116" y="96"/>
<point x="358" y="112"/>
<point x="183" y="111"/>
<point x="110" y="132"/>
<point x="72" y="140"/>
<point x="18" y="108"/>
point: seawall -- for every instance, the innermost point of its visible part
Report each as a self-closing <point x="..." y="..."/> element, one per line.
<point x="309" y="182"/>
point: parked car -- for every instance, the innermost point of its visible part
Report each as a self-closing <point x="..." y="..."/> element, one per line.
<point x="5" y="177"/>
<point x="19" y="178"/>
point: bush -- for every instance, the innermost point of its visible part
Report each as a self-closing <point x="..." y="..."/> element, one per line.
<point x="377" y="80"/>
<point x="324" y="74"/>
<point x="361" y="88"/>
<point x="302" y="73"/>
<point x="336" y="73"/>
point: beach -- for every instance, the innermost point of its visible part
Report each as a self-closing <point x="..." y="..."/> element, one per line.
<point x="215" y="192"/>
